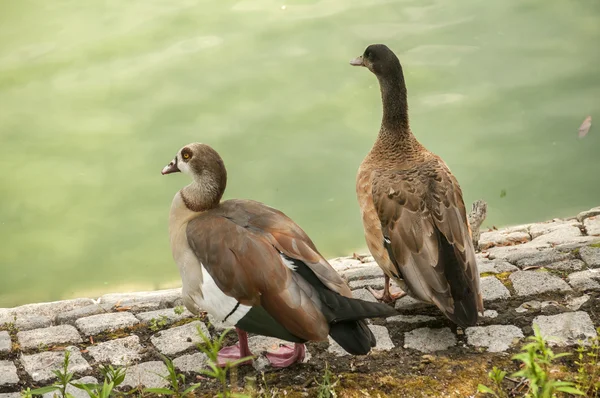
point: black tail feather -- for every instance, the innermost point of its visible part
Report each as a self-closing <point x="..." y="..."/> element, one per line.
<point x="353" y="336"/>
<point x="465" y="299"/>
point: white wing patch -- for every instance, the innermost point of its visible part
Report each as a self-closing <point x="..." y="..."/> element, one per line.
<point x="288" y="263"/>
<point x="223" y="307"/>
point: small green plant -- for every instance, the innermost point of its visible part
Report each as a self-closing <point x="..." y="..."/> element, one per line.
<point x="157" y="324"/>
<point x="176" y="382"/>
<point x="113" y="377"/>
<point x="536" y="360"/>
<point x="60" y="385"/>
<point x="179" y="310"/>
<point x="326" y="388"/>
<point x="588" y="367"/>
<point x="211" y="349"/>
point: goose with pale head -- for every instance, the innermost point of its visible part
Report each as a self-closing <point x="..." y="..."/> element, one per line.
<point x="412" y="207"/>
<point x="250" y="266"/>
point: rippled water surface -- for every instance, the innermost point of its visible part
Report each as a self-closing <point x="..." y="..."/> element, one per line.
<point x="97" y="96"/>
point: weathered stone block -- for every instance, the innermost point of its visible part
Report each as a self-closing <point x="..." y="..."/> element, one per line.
<point x="95" y="324"/>
<point x="362" y="272"/>
<point x="28" y="322"/>
<point x="50" y="309"/>
<point x="429" y="340"/>
<point x="167" y="297"/>
<point x="585" y="280"/>
<point x="8" y="373"/>
<point x="364" y="294"/>
<point x="69" y="317"/>
<point x="543" y="258"/>
<point x="176" y="340"/>
<point x="502" y="238"/>
<point x="167" y="314"/>
<point x="592" y="225"/>
<point x="567" y="328"/>
<point x="121" y="352"/>
<point x="146" y="374"/>
<point x="591" y="256"/>
<point x="409" y="303"/>
<point x="412" y="319"/>
<point x="588" y="213"/>
<point x="496" y="338"/>
<point x="492" y="289"/>
<point x="191" y="362"/>
<point x="486" y="266"/>
<point x="48" y="336"/>
<point x="528" y="283"/>
<point x="40" y="366"/>
<point x="567" y="265"/>
<point x="376" y="283"/>
<point x="5" y="342"/>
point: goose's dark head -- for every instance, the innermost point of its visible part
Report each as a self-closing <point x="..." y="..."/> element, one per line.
<point x="380" y="60"/>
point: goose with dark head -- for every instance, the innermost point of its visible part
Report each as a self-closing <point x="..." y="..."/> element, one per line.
<point x="252" y="267"/>
<point x="412" y="208"/>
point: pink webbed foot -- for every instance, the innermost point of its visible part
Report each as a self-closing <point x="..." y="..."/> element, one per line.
<point x="286" y="355"/>
<point x="385" y="295"/>
<point x="235" y="352"/>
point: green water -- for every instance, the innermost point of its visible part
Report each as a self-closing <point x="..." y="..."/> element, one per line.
<point x="97" y="96"/>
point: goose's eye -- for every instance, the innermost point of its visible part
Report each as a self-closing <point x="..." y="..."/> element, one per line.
<point x="186" y="156"/>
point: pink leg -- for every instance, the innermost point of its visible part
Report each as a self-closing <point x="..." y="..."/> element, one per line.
<point x="286" y="355"/>
<point x="385" y="295"/>
<point x="235" y="352"/>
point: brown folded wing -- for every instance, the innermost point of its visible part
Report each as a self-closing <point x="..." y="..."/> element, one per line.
<point x="421" y="209"/>
<point x="239" y="243"/>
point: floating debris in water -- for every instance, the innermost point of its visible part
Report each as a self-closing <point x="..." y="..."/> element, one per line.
<point x="503" y="193"/>
<point x="585" y="127"/>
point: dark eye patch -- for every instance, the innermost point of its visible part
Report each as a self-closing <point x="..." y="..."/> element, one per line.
<point x="186" y="154"/>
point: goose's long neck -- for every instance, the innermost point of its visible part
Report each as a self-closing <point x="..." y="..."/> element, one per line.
<point x="395" y="106"/>
<point x="201" y="196"/>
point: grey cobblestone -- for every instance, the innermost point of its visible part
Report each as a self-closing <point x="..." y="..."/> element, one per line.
<point x="591" y="256"/>
<point x="588" y="213"/>
<point x="121" y="352"/>
<point x="429" y="340"/>
<point x="567" y="265"/>
<point x="496" y="338"/>
<point x="167" y="297"/>
<point x="592" y="225"/>
<point x="585" y="280"/>
<point x="147" y="374"/>
<point x="8" y="373"/>
<point x="364" y="294"/>
<point x="376" y="283"/>
<point x="487" y="266"/>
<point x="40" y="366"/>
<point x="28" y="322"/>
<point x="10" y="395"/>
<point x="363" y="272"/>
<point x="48" y="336"/>
<point x="95" y="324"/>
<point x="52" y="309"/>
<point x="167" y="314"/>
<point x="5" y="342"/>
<point x="527" y="283"/>
<point x="178" y="339"/>
<point x="502" y="238"/>
<point x="191" y="362"/>
<point x="412" y="319"/>
<point x="567" y="328"/>
<point x="69" y="317"/>
<point x="492" y="289"/>
<point x="544" y="258"/>
<point x="409" y="303"/>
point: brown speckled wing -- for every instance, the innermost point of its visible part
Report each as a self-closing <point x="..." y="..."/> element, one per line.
<point x="423" y="217"/>
<point x="239" y="244"/>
